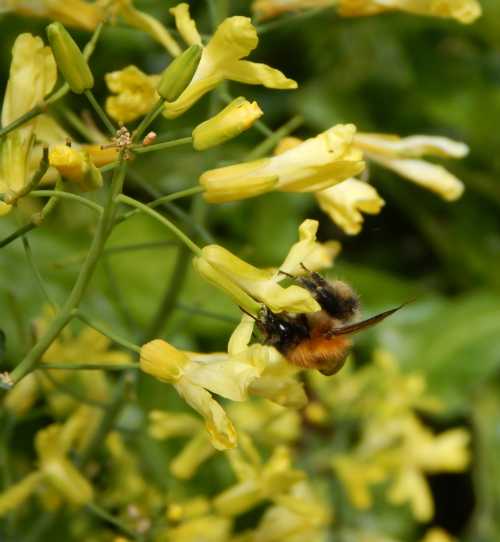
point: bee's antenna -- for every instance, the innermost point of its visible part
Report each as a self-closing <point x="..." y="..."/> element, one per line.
<point x="247" y="313"/>
<point x="305" y="268"/>
<point x="281" y="272"/>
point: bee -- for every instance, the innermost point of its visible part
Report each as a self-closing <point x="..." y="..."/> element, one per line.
<point x="319" y="340"/>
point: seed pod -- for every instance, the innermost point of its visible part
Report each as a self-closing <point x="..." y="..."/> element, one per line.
<point x="179" y="73"/>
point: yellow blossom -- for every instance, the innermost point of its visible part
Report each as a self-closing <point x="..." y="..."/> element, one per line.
<point x="464" y="11"/>
<point x="55" y="470"/>
<point x="208" y="528"/>
<point x="315" y="164"/>
<point x="299" y="516"/>
<point x="400" y="155"/>
<point x="32" y="76"/>
<point x="135" y="93"/>
<point x="221" y="60"/>
<point x="344" y="203"/>
<point x="268" y="9"/>
<point x="193" y="374"/>
<point x="234" y="119"/>
<point x="76" y="13"/>
<point x="76" y="166"/>
<point x="257" y="482"/>
<point x="437" y="535"/>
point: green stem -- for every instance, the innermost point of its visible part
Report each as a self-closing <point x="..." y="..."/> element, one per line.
<point x="18" y="233"/>
<point x="108" y="167"/>
<point x="115" y="338"/>
<point x="88" y="366"/>
<point x="179" y="213"/>
<point x="36" y="219"/>
<point x="100" y="112"/>
<point x="29" y="115"/>
<point x="86" y="272"/>
<point x="89" y="133"/>
<point x="148" y="119"/>
<point x="164" y="145"/>
<point x="273" y="139"/>
<point x="69" y="196"/>
<point x="102" y="514"/>
<point x="297" y="17"/>
<point x="174" y="229"/>
<point x="36" y="272"/>
<point x="169" y="300"/>
<point x="164" y="199"/>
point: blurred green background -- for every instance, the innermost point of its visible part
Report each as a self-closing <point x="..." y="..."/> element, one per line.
<point x="394" y="73"/>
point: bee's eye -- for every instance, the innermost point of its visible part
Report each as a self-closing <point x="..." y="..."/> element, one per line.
<point x="282" y="327"/>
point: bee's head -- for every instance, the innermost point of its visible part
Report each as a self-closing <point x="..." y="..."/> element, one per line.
<point x="282" y="330"/>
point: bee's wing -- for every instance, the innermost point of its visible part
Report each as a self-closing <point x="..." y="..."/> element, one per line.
<point x="369" y="322"/>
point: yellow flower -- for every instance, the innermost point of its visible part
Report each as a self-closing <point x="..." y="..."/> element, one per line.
<point x="298" y="516"/>
<point x="464" y="11"/>
<point x="344" y="203"/>
<point x="76" y="166"/>
<point x="76" y="13"/>
<point x="267" y="9"/>
<point x="55" y="470"/>
<point x="437" y="535"/>
<point x="221" y="60"/>
<point x="234" y="119"/>
<point x="193" y="374"/>
<point x="135" y="93"/>
<point x="315" y="164"/>
<point x="256" y="482"/>
<point x="357" y="476"/>
<point x="400" y="155"/>
<point x="32" y="76"/>
<point x="208" y="528"/>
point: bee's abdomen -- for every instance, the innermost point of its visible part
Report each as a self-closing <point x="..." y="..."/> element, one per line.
<point x="325" y="354"/>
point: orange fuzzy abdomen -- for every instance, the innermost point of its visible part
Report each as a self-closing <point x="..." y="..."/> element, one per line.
<point x="325" y="354"/>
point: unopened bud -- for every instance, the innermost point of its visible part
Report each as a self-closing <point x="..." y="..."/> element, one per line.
<point x="69" y="59"/>
<point x="179" y="73"/>
<point x="234" y="119"/>
<point x="76" y="166"/>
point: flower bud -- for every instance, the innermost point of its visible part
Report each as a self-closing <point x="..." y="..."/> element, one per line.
<point x="69" y="59"/>
<point x="234" y="119"/>
<point x="179" y="73"/>
<point x="163" y="361"/>
<point x="76" y="166"/>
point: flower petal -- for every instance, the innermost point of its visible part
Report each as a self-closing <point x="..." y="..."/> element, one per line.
<point x="185" y="24"/>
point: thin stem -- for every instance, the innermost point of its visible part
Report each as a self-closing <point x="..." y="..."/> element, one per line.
<point x="18" y="233"/>
<point x="164" y="145"/>
<point x="174" y="229"/>
<point x="272" y="140"/>
<point x="102" y="514"/>
<point x="100" y="112"/>
<point x="170" y="296"/>
<point x="164" y="199"/>
<point x="80" y="286"/>
<point x="31" y="114"/>
<point x="36" y="272"/>
<point x="111" y="335"/>
<point x="69" y="196"/>
<point x="148" y="119"/>
<point x="89" y="133"/>
<point x="171" y="207"/>
<point x="88" y="366"/>
<point x="297" y="17"/>
<point x="108" y="167"/>
<point x="75" y="259"/>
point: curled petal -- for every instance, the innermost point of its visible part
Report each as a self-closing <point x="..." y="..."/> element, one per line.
<point x="253" y="73"/>
<point x="344" y="203"/>
<point x="431" y="176"/>
<point x="185" y="24"/>
<point x="221" y="430"/>
<point x="412" y="146"/>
